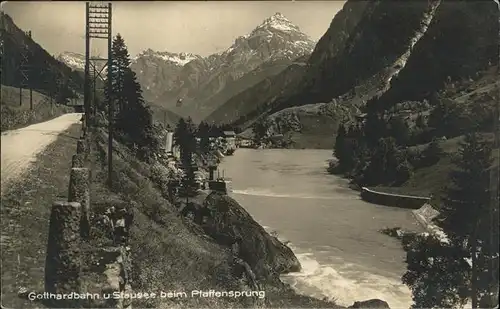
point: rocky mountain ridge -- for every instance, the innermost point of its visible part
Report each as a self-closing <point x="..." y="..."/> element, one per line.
<point x="364" y="57"/>
<point x="75" y="61"/>
<point x="274" y="41"/>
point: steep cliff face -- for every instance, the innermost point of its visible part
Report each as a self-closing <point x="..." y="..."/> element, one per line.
<point x="461" y="41"/>
<point x="370" y="39"/>
<point x="395" y="51"/>
<point x="406" y="50"/>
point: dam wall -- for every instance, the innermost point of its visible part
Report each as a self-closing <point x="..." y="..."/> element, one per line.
<point x="393" y="200"/>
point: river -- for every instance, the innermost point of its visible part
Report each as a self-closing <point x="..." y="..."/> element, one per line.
<point x="334" y="234"/>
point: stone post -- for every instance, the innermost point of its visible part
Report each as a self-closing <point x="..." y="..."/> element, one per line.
<point x="80" y="146"/>
<point x="79" y="191"/>
<point x="63" y="260"/>
<point x="78" y="160"/>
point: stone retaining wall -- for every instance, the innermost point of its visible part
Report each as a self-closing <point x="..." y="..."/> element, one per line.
<point x="394" y="200"/>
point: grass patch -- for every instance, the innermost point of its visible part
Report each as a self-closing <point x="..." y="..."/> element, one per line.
<point x="25" y="215"/>
<point x="433" y="179"/>
<point x="14" y="116"/>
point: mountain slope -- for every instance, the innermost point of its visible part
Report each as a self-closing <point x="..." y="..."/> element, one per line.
<point x="276" y="41"/>
<point x="462" y="41"/>
<point x="73" y="60"/>
<point x="164" y="116"/>
<point x="157" y="71"/>
<point x="328" y="47"/>
<point x="389" y="52"/>
<point x="248" y="104"/>
<point x="45" y="73"/>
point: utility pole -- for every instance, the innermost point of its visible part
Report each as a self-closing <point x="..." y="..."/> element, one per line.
<point x="24" y="69"/>
<point x="30" y="71"/>
<point x="2" y="44"/>
<point x="98" y="26"/>
<point x="494" y="207"/>
<point x="110" y="102"/>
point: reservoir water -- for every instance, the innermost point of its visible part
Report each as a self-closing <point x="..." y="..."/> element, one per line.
<point x="335" y="234"/>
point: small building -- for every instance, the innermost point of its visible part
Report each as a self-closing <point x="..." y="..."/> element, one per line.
<point x="277" y="138"/>
<point x="245" y="143"/>
<point x="230" y="137"/>
<point x="176" y="152"/>
<point x="169" y="138"/>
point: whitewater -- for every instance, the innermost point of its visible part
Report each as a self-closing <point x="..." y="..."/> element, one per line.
<point x="334" y="234"/>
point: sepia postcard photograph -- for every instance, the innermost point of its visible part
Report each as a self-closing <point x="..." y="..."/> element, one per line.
<point x="250" y="154"/>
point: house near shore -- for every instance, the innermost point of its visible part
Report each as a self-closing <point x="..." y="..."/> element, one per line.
<point x="230" y="137"/>
<point x="244" y="143"/>
<point x="277" y="138"/>
<point x="169" y="139"/>
<point x="176" y="152"/>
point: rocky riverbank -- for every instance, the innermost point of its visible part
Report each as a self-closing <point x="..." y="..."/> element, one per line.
<point x="220" y="248"/>
<point x="173" y="252"/>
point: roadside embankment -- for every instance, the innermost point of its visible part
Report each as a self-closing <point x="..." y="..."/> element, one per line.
<point x="393" y="200"/>
<point x="14" y="115"/>
<point x="25" y="216"/>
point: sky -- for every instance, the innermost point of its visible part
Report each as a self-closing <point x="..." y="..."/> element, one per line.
<point x="198" y="27"/>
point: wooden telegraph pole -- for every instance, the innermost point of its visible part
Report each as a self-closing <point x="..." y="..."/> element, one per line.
<point x="98" y="26"/>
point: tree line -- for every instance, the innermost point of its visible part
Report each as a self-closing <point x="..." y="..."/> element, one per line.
<point x="376" y="150"/>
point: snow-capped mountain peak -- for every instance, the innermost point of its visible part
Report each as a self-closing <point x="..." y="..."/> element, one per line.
<point x="278" y="22"/>
<point x="175" y="58"/>
<point x="277" y="37"/>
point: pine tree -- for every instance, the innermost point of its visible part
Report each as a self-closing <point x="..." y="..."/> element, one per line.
<point x="431" y="154"/>
<point x="133" y="118"/>
<point x="399" y="130"/>
<point x="464" y="218"/>
<point x="468" y="194"/>
<point x="374" y="127"/>
<point x="436" y="274"/>
<point x="260" y="129"/>
<point x="203" y="134"/>
<point x="464" y="214"/>
<point x="448" y="119"/>
<point x="120" y="64"/>
<point x="185" y="137"/>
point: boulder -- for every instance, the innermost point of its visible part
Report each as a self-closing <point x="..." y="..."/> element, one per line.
<point x="371" y="303"/>
<point x="227" y="221"/>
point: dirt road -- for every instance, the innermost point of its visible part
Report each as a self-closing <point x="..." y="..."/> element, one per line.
<point x="20" y="147"/>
